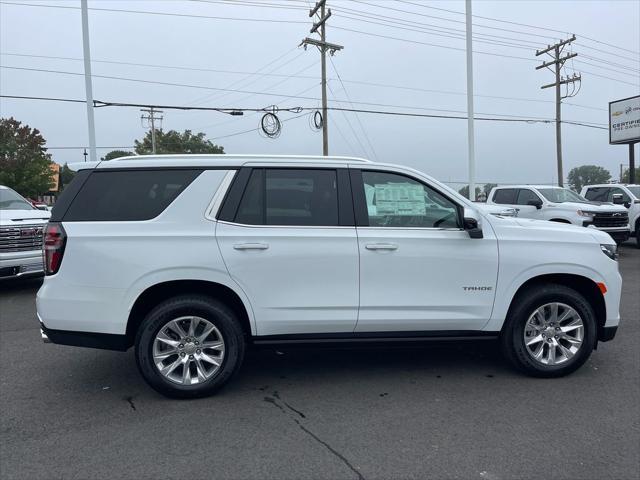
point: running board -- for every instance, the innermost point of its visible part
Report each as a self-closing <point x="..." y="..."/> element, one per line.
<point x="374" y="337"/>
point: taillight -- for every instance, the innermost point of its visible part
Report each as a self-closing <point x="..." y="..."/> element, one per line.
<point x="55" y="239"/>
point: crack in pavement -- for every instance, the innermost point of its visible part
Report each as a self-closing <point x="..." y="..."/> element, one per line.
<point x="130" y="401"/>
<point x="274" y="401"/>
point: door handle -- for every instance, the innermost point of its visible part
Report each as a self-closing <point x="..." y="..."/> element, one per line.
<point x="381" y="246"/>
<point x="251" y="246"/>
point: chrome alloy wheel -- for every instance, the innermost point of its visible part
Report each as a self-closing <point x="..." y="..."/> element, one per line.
<point x="188" y="350"/>
<point x="553" y="333"/>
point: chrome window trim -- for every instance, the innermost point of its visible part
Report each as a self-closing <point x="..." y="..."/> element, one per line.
<point x="213" y="208"/>
<point x="235" y="224"/>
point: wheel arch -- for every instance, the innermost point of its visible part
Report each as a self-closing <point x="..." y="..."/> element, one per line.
<point x="559" y="220"/>
<point x="159" y="292"/>
<point x="583" y="285"/>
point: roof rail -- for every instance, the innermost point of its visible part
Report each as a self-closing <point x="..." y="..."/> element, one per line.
<point x="297" y="158"/>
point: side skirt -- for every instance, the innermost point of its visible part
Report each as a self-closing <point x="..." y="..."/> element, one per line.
<point x="373" y="337"/>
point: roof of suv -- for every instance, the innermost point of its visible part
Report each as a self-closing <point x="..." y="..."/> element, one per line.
<point x="528" y="186"/>
<point x="208" y="161"/>
<point x="612" y="185"/>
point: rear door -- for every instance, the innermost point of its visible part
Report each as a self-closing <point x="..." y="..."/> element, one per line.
<point x="288" y="239"/>
<point x="419" y="270"/>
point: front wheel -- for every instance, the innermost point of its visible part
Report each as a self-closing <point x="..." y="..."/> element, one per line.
<point x="189" y="346"/>
<point x="550" y="332"/>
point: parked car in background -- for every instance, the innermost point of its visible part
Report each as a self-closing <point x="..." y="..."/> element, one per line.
<point x="21" y="227"/>
<point x="39" y="205"/>
<point x="192" y="258"/>
<point x="627" y="195"/>
<point x="562" y="205"/>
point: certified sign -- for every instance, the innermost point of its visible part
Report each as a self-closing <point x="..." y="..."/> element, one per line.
<point x="624" y="120"/>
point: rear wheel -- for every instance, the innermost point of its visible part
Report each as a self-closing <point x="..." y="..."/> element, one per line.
<point x="550" y="332"/>
<point x="189" y="346"/>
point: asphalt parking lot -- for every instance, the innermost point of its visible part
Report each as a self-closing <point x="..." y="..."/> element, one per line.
<point x="436" y="411"/>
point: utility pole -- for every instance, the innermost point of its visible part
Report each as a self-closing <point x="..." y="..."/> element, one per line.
<point x="88" y="80"/>
<point x="555" y="51"/>
<point x="323" y="46"/>
<point x="470" y="129"/>
<point x="151" y="118"/>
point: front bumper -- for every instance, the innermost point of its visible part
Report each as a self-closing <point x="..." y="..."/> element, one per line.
<point x="619" y="234"/>
<point x="17" y="264"/>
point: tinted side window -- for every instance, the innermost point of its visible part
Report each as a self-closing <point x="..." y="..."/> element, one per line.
<point x="128" y="195"/>
<point x="597" y="194"/>
<point x="525" y="196"/>
<point x="251" y="208"/>
<point x="394" y="200"/>
<point x="303" y="197"/>
<point x="505" y="196"/>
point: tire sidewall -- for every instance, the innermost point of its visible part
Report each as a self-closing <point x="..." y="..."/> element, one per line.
<point x="513" y="336"/>
<point x="216" y="313"/>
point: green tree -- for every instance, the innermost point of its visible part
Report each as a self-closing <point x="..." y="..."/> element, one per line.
<point x="464" y="191"/>
<point x="66" y="175"/>
<point x="176" y="142"/>
<point x="24" y="161"/>
<point x="117" y="154"/>
<point x="625" y="176"/>
<point x="587" y="175"/>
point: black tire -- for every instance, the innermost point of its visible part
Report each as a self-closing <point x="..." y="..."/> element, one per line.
<point x="222" y="317"/>
<point x="638" y="234"/>
<point x="512" y="336"/>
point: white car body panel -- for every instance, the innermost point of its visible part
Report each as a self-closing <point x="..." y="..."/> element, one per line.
<point x="314" y="279"/>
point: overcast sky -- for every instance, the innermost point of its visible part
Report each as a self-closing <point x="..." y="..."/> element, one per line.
<point x="435" y="77"/>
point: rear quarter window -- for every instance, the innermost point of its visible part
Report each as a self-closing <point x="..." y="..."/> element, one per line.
<point x="128" y="195"/>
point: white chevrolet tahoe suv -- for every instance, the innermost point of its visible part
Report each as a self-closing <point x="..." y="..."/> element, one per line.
<point x="21" y="227"/>
<point x="562" y="205"/>
<point x="189" y="259"/>
<point x="629" y="197"/>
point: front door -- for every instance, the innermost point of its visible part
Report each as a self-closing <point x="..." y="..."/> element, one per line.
<point x="419" y="270"/>
<point x="291" y="245"/>
<point x="524" y="196"/>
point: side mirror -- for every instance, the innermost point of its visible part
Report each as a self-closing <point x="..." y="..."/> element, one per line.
<point x="617" y="199"/>
<point x="471" y="224"/>
<point x="535" y="203"/>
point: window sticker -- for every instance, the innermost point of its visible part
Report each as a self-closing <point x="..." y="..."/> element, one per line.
<point x="401" y="199"/>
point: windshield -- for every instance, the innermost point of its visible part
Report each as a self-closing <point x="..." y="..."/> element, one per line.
<point x="559" y="195"/>
<point x="635" y="189"/>
<point x="10" y="200"/>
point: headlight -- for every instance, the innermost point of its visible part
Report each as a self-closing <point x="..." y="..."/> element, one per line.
<point x="582" y="213"/>
<point x="610" y="251"/>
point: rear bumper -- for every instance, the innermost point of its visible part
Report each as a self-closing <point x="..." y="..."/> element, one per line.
<point x="103" y="341"/>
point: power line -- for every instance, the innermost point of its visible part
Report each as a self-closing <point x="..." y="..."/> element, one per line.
<point x="430" y="44"/>
<point x="364" y="131"/>
<point x="166" y="14"/>
<point x="358" y="82"/>
<point x="562" y="32"/>
<point x="101" y="103"/>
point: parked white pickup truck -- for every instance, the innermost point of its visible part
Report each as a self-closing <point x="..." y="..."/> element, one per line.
<point x="629" y="198"/>
<point x="562" y="205"/>
<point x="21" y="226"/>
